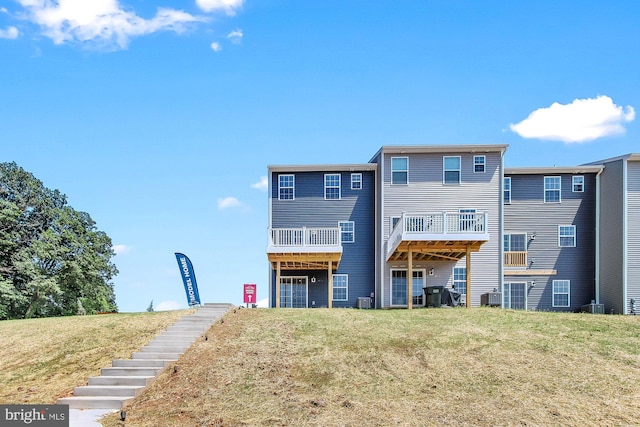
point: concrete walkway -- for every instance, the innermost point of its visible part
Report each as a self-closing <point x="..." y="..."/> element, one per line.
<point x="119" y="384"/>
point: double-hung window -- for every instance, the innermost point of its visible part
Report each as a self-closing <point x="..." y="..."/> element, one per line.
<point x="507" y="190"/>
<point x="577" y="183"/>
<point x="286" y="187"/>
<point x="356" y="181"/>
<point x="515" y="250"/>
<point x="479" y="164"/>
<point x="552" y="189"/>
<point x="399" y="170"/>
<point x="340" y="287"/>
<point x="451" y="170"/>
<point x="347" y="231"/>
<point x="332" y="186"/>
<point x="567" y="236"/>
<point x="561" y="293"/>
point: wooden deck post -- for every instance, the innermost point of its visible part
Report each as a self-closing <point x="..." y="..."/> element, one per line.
<point x="330" y="286"/>
<point x="410" y="280"/>
<point x="278" y="285"/>
<point x="468" y="304"/>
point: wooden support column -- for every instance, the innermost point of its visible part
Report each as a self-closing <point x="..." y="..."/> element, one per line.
<point x="410" y="280"/>
<point x="330" y="285"/>
<point x="468" y="276"/>
<point x="278" y="285"/>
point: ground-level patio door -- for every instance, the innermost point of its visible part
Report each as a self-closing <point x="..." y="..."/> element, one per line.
<point x="293" y="292"/>
<point x="515" y="295"/>
<point x="399" y="287"/>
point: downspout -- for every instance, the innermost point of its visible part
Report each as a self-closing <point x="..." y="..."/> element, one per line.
<point x="375" y="236"/>
<point x="269" y="218"/>
<point x="501" y="230"/>
<point x="597" y="278"/>
<point x="624" y="237"/>
<point x="381" y="255"/>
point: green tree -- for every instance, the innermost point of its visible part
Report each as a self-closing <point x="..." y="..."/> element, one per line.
<point x="53" y="259"/>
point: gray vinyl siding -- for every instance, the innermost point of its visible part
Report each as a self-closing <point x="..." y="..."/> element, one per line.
<point x="633" y="232"/>
<point x="425" y="192"/>
<point x="611" y="237"/>
<point x="528" y="214"/>
<point x="310" y="209"/>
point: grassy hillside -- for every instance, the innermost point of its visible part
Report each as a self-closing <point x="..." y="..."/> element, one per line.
<point x="43" y="359"/>
<point x="422" y="367"/>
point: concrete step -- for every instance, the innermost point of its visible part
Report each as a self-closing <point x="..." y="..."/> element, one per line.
<point x="150" y="355"/>
<point x="91" y="402"/>
<point x="129" y="371"/>
<point x="108" y="390"/>
<point x="128" y="380"/>
<point x="140" y="363"/>
<point x="158" y="348"/>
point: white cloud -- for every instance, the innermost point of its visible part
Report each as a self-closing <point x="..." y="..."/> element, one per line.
<point x="104" y="22"/>
<point x="9" y="33"/>
<point x="121" y="249"/>
<point x="215" y="46"/>
<point x="235" y="36"/>
<point x="581" y="121"/>
<point x="263" y="303"/>
<point x="229" y="202"/>
<point x="169" y="305"/>
<point x="3" y="10"/>
<point x="227" y="6"/>
<point x="262" y="185"/>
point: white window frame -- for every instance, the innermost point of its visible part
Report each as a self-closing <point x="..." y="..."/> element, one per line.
<point x="479" y="161"/>
<point x="455" y="282"/>
<point x="391" y="219"/>
<point x="405" y="171"/>
<point x="555" y="292"/>
<point x="559" y="189"/>
<point x="506" y="295"/>
<point x="507" y="236"/>
<point x="445" y="170"/>
<point x="345" y="287"/>
<point x="419" y="299"/>
<point x="356" y="181"/>
<point x="343" y="233"/>
<point x="406" y="272"/>
<point x="562" y="235"/>
<point x="333" y="186"/>
<point x="506" y="190"/>
<point x="292" y="187"/>
<point x="577" y="184"/>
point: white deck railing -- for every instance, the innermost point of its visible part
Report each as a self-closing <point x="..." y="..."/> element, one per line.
<point x="305" y="237"/>
<point x="442" y="224"/>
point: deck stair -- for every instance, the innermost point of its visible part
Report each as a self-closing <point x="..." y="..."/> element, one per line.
<point x="125" y="379"/>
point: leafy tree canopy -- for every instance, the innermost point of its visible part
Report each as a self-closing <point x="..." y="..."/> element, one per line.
<point x="53" y="259"/>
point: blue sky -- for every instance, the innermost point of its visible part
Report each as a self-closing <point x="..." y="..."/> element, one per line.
<point x="159" y="118"/>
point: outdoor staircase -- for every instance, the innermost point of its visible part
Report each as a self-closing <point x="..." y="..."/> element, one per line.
<point x="125" y="379"/>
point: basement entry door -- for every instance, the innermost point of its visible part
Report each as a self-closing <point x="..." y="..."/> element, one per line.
<point x="293" y="292"/>
<point x="515" y="296"/>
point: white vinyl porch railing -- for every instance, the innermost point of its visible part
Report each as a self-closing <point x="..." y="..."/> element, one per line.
<point x="440" y="223"/>
<point x="305" y="237"/>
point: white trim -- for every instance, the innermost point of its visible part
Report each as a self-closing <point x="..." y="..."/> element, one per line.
<point x="445" y="170"/>
<point x="293" y="196"/>
<point x="484" y="163"/>
<point x="526" y="294"/>
<point x="597" y="272"/>
<point x="334" y="287"/>
<point x="306" y="283"/>
<point x="575" y="236"/>
<point x="501" y="228"/>
<point x="339" y="186"/>
<point x="356" y="174"/>
<point x="406" y="270"/>
<point x="554" y="293"/>
<point x="271" y="279"/>
<point x="453" y="279"/>
<point x="544" y="189"/>
<point x="392" y="170"/>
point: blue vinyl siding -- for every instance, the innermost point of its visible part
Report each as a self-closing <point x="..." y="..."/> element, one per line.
<point x="310" y="209"/>
<point x="528" y="213"/>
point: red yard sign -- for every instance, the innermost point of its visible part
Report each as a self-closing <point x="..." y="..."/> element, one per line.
<point x="249" y="293"/>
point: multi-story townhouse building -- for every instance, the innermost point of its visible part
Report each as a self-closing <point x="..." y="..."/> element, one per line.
<point x="546" y="238"/>
<point x="321" y="235"/>
<point x="618" y="235"/>
<point x="549" y="237"/>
